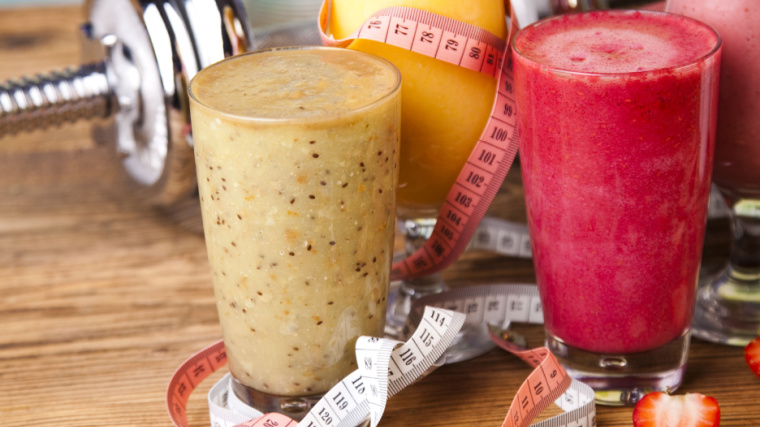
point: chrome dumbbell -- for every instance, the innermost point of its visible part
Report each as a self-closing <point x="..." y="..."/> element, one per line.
<point x="139" y="57"/>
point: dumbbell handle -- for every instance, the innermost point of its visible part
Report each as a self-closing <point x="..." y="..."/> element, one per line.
<point x="49" y="99"/>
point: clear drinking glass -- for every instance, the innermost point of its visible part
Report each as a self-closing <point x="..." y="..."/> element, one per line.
<point x="728" y="304"/>
<point x="445" y="108"/>
<point x="296" y="152"/>
<point x="617" y="127"/>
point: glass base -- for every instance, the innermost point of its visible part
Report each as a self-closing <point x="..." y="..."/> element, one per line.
<point x="623" y="379"/>
<point x="295" y="407"/>
<point x="728" y="308"/>
<point x="400" y="298"/>
<point x="471" y="341"/>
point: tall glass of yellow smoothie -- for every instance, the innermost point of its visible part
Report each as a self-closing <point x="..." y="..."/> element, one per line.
<point x="297" y="154"/>
<point x="444" y="110"/>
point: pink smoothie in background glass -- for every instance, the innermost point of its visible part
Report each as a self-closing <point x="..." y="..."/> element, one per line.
<point x="737" y="151"/>
<point x="616" y="146"/>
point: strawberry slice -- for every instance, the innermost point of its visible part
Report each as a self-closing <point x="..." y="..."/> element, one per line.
<point x="752" y="354"/>
<point x="658" y="409"/>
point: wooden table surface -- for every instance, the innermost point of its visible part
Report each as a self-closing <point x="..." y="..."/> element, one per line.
<point x="102" y="297"/>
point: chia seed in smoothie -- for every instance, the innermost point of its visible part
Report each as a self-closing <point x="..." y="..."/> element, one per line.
<point x="297" y="162"/>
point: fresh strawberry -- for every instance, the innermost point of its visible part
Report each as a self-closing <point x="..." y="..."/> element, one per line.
<point x="752" y="354"/>
<point x="658" y="409"/>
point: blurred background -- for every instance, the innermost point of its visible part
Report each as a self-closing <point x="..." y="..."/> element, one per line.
<point x="30" y="3"/>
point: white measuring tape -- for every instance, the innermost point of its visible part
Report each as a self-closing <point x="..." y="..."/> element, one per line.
<point x="501" y="237"/>
<point x="512" y="239"/>
<point x="387" y="366"/>
<point x="519" y="303"/>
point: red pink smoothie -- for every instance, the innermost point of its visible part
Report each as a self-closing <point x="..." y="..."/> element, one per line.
<point x="737" y="150"/>
<point x="617" y="140"/>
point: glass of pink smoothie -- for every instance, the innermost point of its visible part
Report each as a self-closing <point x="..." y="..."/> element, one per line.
<point x="617" y="118"/>
<point x="728" y="304"/>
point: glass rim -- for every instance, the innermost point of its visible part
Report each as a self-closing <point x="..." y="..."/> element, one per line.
<point x="304" y="119"/>
<point x="715" y="49"/>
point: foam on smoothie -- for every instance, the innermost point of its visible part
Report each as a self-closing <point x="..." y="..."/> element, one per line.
<point x="294" y="83"/>
<point x="619" y="43"/>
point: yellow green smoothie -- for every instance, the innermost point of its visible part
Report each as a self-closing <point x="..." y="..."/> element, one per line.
<point x="297" y="159"/>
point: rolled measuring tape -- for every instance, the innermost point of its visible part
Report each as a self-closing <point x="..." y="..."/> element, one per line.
<point x="388" y="366"/>
<point x="385" y="368"/>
